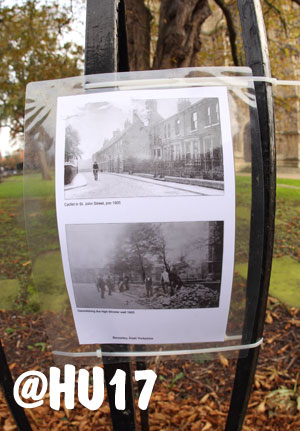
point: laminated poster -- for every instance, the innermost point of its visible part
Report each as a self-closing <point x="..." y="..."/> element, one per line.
<point x="145" y="200"/>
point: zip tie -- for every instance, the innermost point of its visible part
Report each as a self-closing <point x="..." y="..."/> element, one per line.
<point x="100" y="353"/>
<point x="189" y="82"/>
<point x="78" y="354"/>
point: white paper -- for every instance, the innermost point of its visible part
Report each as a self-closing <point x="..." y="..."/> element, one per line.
<point x="161" y="205"/>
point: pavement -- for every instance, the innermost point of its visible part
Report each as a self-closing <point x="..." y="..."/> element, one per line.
<point x="78" y="181"/>
<point x="111" y="185"/>
<point x="289" y="173"/>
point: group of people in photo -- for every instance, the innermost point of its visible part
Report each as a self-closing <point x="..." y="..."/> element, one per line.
<point x="107" y="284"/>
<point x="170" y="283"/>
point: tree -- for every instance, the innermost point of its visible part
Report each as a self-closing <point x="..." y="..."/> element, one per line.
<point x="137" y="250"/>
<point x="72" y="150"/>
<point x="174" y="26"/>
<point x="13" y="161"/>
<point x="32" y="49"/>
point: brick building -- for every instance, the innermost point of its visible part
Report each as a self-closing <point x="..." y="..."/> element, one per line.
<point x="186" y="144"/>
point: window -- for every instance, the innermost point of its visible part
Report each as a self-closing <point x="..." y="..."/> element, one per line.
<point x="215" y="113"/>
<point x="158" y="153"/>
<point x="169" y="130"/>
<point x="177" y="123"/>
<point x="194" y="122"/>
<point x="212" y="115"/>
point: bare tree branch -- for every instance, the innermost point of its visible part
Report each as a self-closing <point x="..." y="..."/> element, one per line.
<point x="231" y="30"/>
<point x="278" y="12"/>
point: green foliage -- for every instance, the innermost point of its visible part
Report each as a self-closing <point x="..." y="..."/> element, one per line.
<point x="178" y="376"/>
<point x="32" y="49"/>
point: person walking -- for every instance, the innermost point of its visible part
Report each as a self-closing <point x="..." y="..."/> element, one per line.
<point x="95" y="170"/>
<point x="100" y="286"/>
<point x="109" y="284"/>
<point x="148" y="285"/>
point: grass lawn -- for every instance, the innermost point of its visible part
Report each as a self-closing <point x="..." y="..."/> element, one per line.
<point x="50" y="282"/>
<point x="285" y="279"/>
<point x="9" y="291"/>
<point x="15" y="263"/>
<point x="289" y="182"/>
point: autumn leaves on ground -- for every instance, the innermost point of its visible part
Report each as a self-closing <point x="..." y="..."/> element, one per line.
<point x="188" y="394"/>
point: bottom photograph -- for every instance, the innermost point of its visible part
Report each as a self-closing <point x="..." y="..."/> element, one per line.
<point x="170" y="265"/>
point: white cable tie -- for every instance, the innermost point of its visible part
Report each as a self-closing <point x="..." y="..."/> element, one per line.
<point x="189" y="82"/>
<point x="100" y="354"/>
<point x="75" y="354"/>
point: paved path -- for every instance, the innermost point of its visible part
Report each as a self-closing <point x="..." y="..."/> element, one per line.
<point x="87" y="296"/>
<point x="111" y="185"/>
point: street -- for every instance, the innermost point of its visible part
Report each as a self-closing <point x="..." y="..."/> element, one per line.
<point x="111" y="185"/>
<point x="87" y="296"/>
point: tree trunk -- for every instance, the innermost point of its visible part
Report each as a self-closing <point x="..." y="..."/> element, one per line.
<point x="138" y="20"/>
<point x="179" y="33"/>
<point x="44" y="166"/>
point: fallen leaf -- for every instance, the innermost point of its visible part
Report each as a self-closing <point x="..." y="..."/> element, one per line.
<point x="224" y="361"/>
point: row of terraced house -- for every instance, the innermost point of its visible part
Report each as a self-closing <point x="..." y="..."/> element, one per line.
<point x="186" y="144"/>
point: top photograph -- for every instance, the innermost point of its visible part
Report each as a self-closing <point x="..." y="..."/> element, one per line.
<point x="122" y="145"/>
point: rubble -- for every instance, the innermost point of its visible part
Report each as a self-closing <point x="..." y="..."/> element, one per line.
<point x="191" y="296"/>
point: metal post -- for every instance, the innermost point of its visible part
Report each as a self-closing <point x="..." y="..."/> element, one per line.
<point x="7" y="384"/>
<point x="256" y="50"/>
<point x="106" y="52"/>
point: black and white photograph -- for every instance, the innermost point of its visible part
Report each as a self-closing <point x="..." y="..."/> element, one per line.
<point x="163" y="143"/>
<point x="146" y="265"/>
<point x="145" y="201"/>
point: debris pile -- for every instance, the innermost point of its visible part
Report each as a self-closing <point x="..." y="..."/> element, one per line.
<point x="192" y="296"/>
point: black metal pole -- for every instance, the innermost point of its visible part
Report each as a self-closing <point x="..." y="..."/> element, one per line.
<point x="106" y="52"/>
<point x="123" y="420"/>
<point x="141" y="365"/>
<point x="256" y="50"/>
<point x="7" y="385"/>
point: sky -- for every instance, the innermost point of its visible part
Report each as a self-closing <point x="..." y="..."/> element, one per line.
<point x="96" y="122"/>
<point x="6" y="146"/>
<point x="92" y="246"/>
